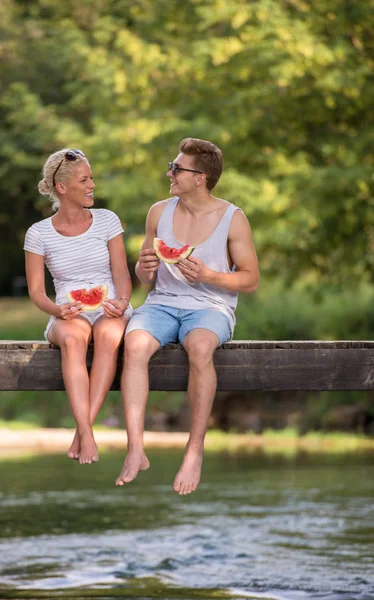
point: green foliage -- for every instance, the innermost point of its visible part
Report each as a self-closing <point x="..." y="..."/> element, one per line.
<point x="285" y="88"/>
<point x="279" y="312"/>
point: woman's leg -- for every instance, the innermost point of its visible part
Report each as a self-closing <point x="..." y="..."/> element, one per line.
<point x="73" y="338"/>
<point x="108" y="335"/>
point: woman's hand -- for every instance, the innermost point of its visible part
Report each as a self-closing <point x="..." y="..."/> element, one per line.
<point x="69" y="311"/>
<point x="115" y="307"/>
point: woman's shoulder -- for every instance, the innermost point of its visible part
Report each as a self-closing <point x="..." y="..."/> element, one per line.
<point x="40" y="226"/>
<point x="104" y="214"/>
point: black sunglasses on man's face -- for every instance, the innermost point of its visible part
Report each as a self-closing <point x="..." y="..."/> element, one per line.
<point x="174" y="169"/>
<point x="69" y="155"/>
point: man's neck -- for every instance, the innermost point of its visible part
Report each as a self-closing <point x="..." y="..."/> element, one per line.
<point x="197" y="203"/>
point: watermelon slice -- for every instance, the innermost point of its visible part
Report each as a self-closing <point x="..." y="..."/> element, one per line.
<point x="91" y="298"/>
<point x="171" y="255"/>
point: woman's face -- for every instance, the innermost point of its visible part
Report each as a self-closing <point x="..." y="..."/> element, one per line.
<point x="80" y="185"/>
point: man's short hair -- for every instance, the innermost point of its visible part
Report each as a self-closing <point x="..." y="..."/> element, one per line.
<point x="207" y="158"/>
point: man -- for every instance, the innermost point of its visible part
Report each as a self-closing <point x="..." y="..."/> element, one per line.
<point x="192" y="302"/>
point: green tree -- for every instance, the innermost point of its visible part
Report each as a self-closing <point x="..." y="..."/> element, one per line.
<point x="283" y="86"/>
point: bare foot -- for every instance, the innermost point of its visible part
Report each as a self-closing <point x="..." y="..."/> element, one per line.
<point x="188" y="477"/>
<point x="134" y="462"/>
<point x="75" y="447"/>
<point x="88" y="449"/>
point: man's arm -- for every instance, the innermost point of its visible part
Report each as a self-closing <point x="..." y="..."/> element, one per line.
<point x="148" y="263"/>
<point x="241" y="252"/>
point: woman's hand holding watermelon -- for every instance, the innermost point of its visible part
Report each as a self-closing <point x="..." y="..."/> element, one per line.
<point x="115" y="307"/>
<point x="68" y="311"/>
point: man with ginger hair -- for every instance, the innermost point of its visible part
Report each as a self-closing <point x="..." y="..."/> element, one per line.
<point x="192" y="302"/>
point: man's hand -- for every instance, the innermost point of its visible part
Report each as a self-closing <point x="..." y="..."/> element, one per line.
<point x="69" y="311"/>
<point x="194" y="270"/>
<point x="148" y="261"/>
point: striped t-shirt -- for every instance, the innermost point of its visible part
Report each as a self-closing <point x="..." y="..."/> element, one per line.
<point x="77" y="262"/>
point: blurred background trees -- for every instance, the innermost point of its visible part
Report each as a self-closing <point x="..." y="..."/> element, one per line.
<point x="284" y="87"/>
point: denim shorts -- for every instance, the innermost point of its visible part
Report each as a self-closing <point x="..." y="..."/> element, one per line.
<point x="168" y="324"/>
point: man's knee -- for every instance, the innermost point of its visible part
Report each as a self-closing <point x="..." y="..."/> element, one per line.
<point x="140" y="346"/>
<point x="200" y="348"/>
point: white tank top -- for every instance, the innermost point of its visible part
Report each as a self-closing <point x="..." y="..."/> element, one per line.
<point x="173" y="289"/>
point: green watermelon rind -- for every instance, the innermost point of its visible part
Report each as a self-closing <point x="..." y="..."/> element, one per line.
<point x="89" y="307"/>
<point x="171" y="261"/>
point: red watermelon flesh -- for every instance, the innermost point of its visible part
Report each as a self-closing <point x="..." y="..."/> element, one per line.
<point x="91" y="298"/>
<point x="171" y="255"/>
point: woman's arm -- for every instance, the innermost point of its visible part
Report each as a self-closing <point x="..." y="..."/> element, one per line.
<point x="121" y="278"/>
<point x="36" y="285"/>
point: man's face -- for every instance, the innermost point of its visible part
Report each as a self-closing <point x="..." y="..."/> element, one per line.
<point x="181" y="180"/>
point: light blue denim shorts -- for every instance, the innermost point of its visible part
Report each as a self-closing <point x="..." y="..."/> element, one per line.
<point x="168" y="324"/>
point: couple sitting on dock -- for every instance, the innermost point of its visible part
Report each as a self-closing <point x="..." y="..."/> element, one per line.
<point x="192" y="301"/>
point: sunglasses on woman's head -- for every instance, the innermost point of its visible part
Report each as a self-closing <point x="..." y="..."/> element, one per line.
<point x="69" y="155"/>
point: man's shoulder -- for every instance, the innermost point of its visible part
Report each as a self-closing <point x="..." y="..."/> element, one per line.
<point x="160" y="204"/>
<point x="158" y="208"/>
<point x="239" y="225"/>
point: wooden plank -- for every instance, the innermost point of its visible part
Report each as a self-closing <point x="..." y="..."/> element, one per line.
<point x="234" y="345"/>
<point x="241" y="365"/>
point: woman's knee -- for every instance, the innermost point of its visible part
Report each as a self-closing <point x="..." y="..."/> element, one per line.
<point x="108" y="340"/>
<point x="73" y="343"/>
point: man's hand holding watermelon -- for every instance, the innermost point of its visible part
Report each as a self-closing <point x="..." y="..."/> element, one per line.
<point x="194" y="270"/>
<point x="149" y="262"/>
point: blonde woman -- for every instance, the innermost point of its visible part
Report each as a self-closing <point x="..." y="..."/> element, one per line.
<point x="82" y="247"/>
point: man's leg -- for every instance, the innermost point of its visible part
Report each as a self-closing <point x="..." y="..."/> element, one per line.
<point x="149" y="328"/>
<point x="139" y="347"/>
<point x="200" y="345"/>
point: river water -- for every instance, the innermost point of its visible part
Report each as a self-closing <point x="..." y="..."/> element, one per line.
<point x="260" y="526"/>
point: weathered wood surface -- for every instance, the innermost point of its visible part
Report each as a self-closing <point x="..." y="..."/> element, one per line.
<point x="241" y="365"/>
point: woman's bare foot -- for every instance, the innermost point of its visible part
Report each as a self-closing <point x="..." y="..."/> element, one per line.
<point x="188" y="477"/>
<point x="88" y="449"/>
<point x="75" y="447"/>
<point x="134" y="462"/>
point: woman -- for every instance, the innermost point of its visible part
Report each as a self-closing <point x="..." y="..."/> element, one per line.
<point x="82" y="248"/>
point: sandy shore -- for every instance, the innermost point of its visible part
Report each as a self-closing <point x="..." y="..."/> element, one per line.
<point x="60" y="439"/>
<point x="13" y="441"/>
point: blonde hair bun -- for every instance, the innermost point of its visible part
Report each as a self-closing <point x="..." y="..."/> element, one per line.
<point x="44" y="188"/>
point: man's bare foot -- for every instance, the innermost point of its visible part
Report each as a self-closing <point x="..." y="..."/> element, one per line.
<point x="75" y="447"/>
<point x="188" y="477"/>
<point x="134" y="462"/>
<point x="88" y="449"/>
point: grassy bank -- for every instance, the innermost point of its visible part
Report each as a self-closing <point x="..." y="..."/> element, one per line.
<point x="17" y="437"/>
